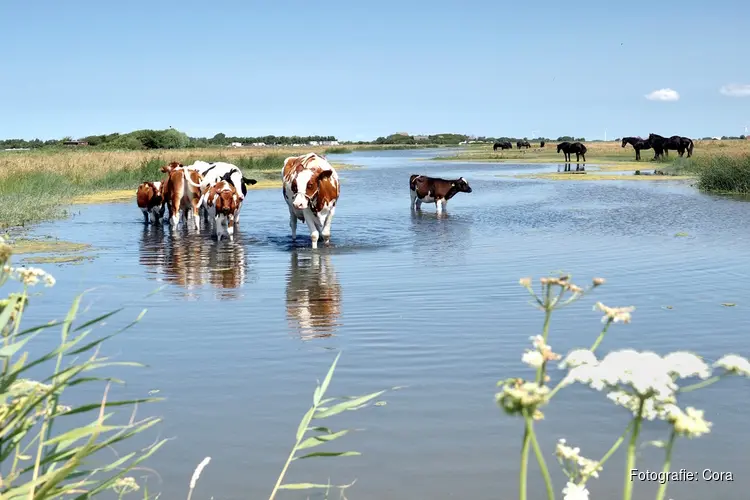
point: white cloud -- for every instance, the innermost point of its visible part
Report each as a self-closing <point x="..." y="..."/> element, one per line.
<point x="663" y="95"/>
<point x="736" y="90"/>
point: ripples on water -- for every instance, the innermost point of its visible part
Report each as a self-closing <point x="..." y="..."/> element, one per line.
<point x="244" y="328"/>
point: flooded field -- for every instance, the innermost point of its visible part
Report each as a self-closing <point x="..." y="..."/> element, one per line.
<point x="241" y="330"/>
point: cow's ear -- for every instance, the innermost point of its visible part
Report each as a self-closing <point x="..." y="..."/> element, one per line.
<point x="325" y="174"/>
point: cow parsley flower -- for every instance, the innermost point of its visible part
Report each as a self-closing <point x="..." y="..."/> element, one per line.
<point x="578" y="357"/>
<point x="734" y="364"/>
<point x="685" y="364"/>
<point x="518" y="395"/>
<point x="30" y="276"/>
<point x="614" y="314"/>
<point x="534" y="359"/>
<point x="574" y="491"/>
<point x="576" y="466"/>
<point x="689" y="423"/>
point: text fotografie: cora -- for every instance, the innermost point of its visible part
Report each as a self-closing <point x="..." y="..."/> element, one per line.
<point x="682" y="475"/>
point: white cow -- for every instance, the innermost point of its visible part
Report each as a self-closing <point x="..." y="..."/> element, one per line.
<point x="311" y="190"/>
<point x="213" y="173"/>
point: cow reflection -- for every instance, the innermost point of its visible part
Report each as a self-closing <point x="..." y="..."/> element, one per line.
<point x="313" y="295"/>
<point x="191" y="261"/>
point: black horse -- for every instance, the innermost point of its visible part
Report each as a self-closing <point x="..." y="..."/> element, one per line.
<point x="662" y="145"/>
<point x="502" y="145"/>
<point x="576" y="147"/>
<point x="541" y="144"/>
<point x="523" y="144"/>
<point x="638" y="144"/>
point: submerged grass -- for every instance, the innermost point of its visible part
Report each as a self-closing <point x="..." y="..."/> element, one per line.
<point x="37" y="185"/>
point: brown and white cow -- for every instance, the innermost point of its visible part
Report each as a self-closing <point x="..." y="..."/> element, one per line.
<point x="435" y="190"/>
<point x="182" y="199"/>
<point x="150" y="200"/>
<point x="311" y="190"/>
<point x="223" y="202"/>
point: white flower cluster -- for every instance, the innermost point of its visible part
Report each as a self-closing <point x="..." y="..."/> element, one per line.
<point x="614" y="314"/>
<point x="633" y="378"/>
<point x="30" y="276"/>
<point x="541" y="353"/>
<point x="576" y="466"/>
<point x="734" y="364"/>
<point x="689" y="423"/>
<point x="574" y="491"/>
<point x="518" y="395"/>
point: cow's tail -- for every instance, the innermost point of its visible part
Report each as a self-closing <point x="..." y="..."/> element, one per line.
<point x="690" y="147"/>
<point x="186" y="173"/>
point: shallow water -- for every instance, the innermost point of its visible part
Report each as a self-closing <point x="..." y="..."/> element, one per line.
<point x="241" y="331"/>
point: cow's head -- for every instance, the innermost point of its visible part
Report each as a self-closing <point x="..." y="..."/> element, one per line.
<point x="167" y="169"/>
<point x="226" y="208"/>
<point x="462" y="186"/>
<point x="306" y="185"/>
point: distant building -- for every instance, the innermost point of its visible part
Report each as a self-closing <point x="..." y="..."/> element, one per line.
<point x="422" y="138"/>
<point x="313" y="143"/>
<point x="236" y="144"/>
<point x="259" y="144"/>
<point x="76" y="143"/>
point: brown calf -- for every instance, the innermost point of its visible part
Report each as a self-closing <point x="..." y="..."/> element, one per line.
<point x="150" y="200"/>
<point x="223" y="202"/>
<point x="435" y="190"/>
<point x="180" y="195"/>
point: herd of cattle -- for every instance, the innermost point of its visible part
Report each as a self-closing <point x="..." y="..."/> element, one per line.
<point x="214" y="193"/>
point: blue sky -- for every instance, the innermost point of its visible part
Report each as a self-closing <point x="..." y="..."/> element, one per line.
<point x="358" y="70"/>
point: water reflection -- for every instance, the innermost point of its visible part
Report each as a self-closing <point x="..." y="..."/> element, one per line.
<point x="190" y="261"/>
<point x="567" y="167"/>
<point x="313" y="295"/>
<point x="447" y="235"/>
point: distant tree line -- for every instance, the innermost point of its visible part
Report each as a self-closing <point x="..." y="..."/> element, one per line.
<point x="162" y="139"/>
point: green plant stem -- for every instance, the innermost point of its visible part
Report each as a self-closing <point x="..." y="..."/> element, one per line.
<point x="601" y="336"/>
<point x="613" y="449"/>
<point x="667" y="464"/>
<point x="627" y="492"/>
<point x="701" y="385"/>
<point x="540" y="459"/>
<point x="545" y="331"/>
<point x="283" y="471"/>
<point x="524" y="460"/>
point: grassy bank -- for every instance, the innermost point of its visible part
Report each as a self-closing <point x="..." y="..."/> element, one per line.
<point x="37" y="185"/>
<point x="598" y="152"/>
<point x="722" y="173"/>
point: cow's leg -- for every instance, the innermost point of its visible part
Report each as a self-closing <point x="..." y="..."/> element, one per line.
<point x="314" y="234"/>
<point x="145" y="215"/>
<point x="237" y="213"/>
<point x="293" y="224"/>
<point x="413" y="196"/>
<point x="326" y="233"/>
<point x="439" y="206"/>
<point x="418" y="204"/>
<point x="175" y="214"/>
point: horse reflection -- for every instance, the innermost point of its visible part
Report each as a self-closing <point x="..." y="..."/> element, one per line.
<point x="190" y="261"/>
<point x="313" y="295"/>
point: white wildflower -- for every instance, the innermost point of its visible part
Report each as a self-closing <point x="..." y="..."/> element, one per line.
<point x="534" y="359"/>
<point x="566" y="452"/>
<point x="652" y="409"/>
<point x="685" y="364"/>
<point x="614" y="314"/>
<point x="197" y="472"/>
<point x="30" y="276"/>
<point x="585" y="466"/>
<point x="518" y="395"/>
<point x="577" y="358"/>
<point x="734" y="364"/>
<point x="689" y="423"/>
<point x="125" y="485"/>
<point x="574" y="491"/>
